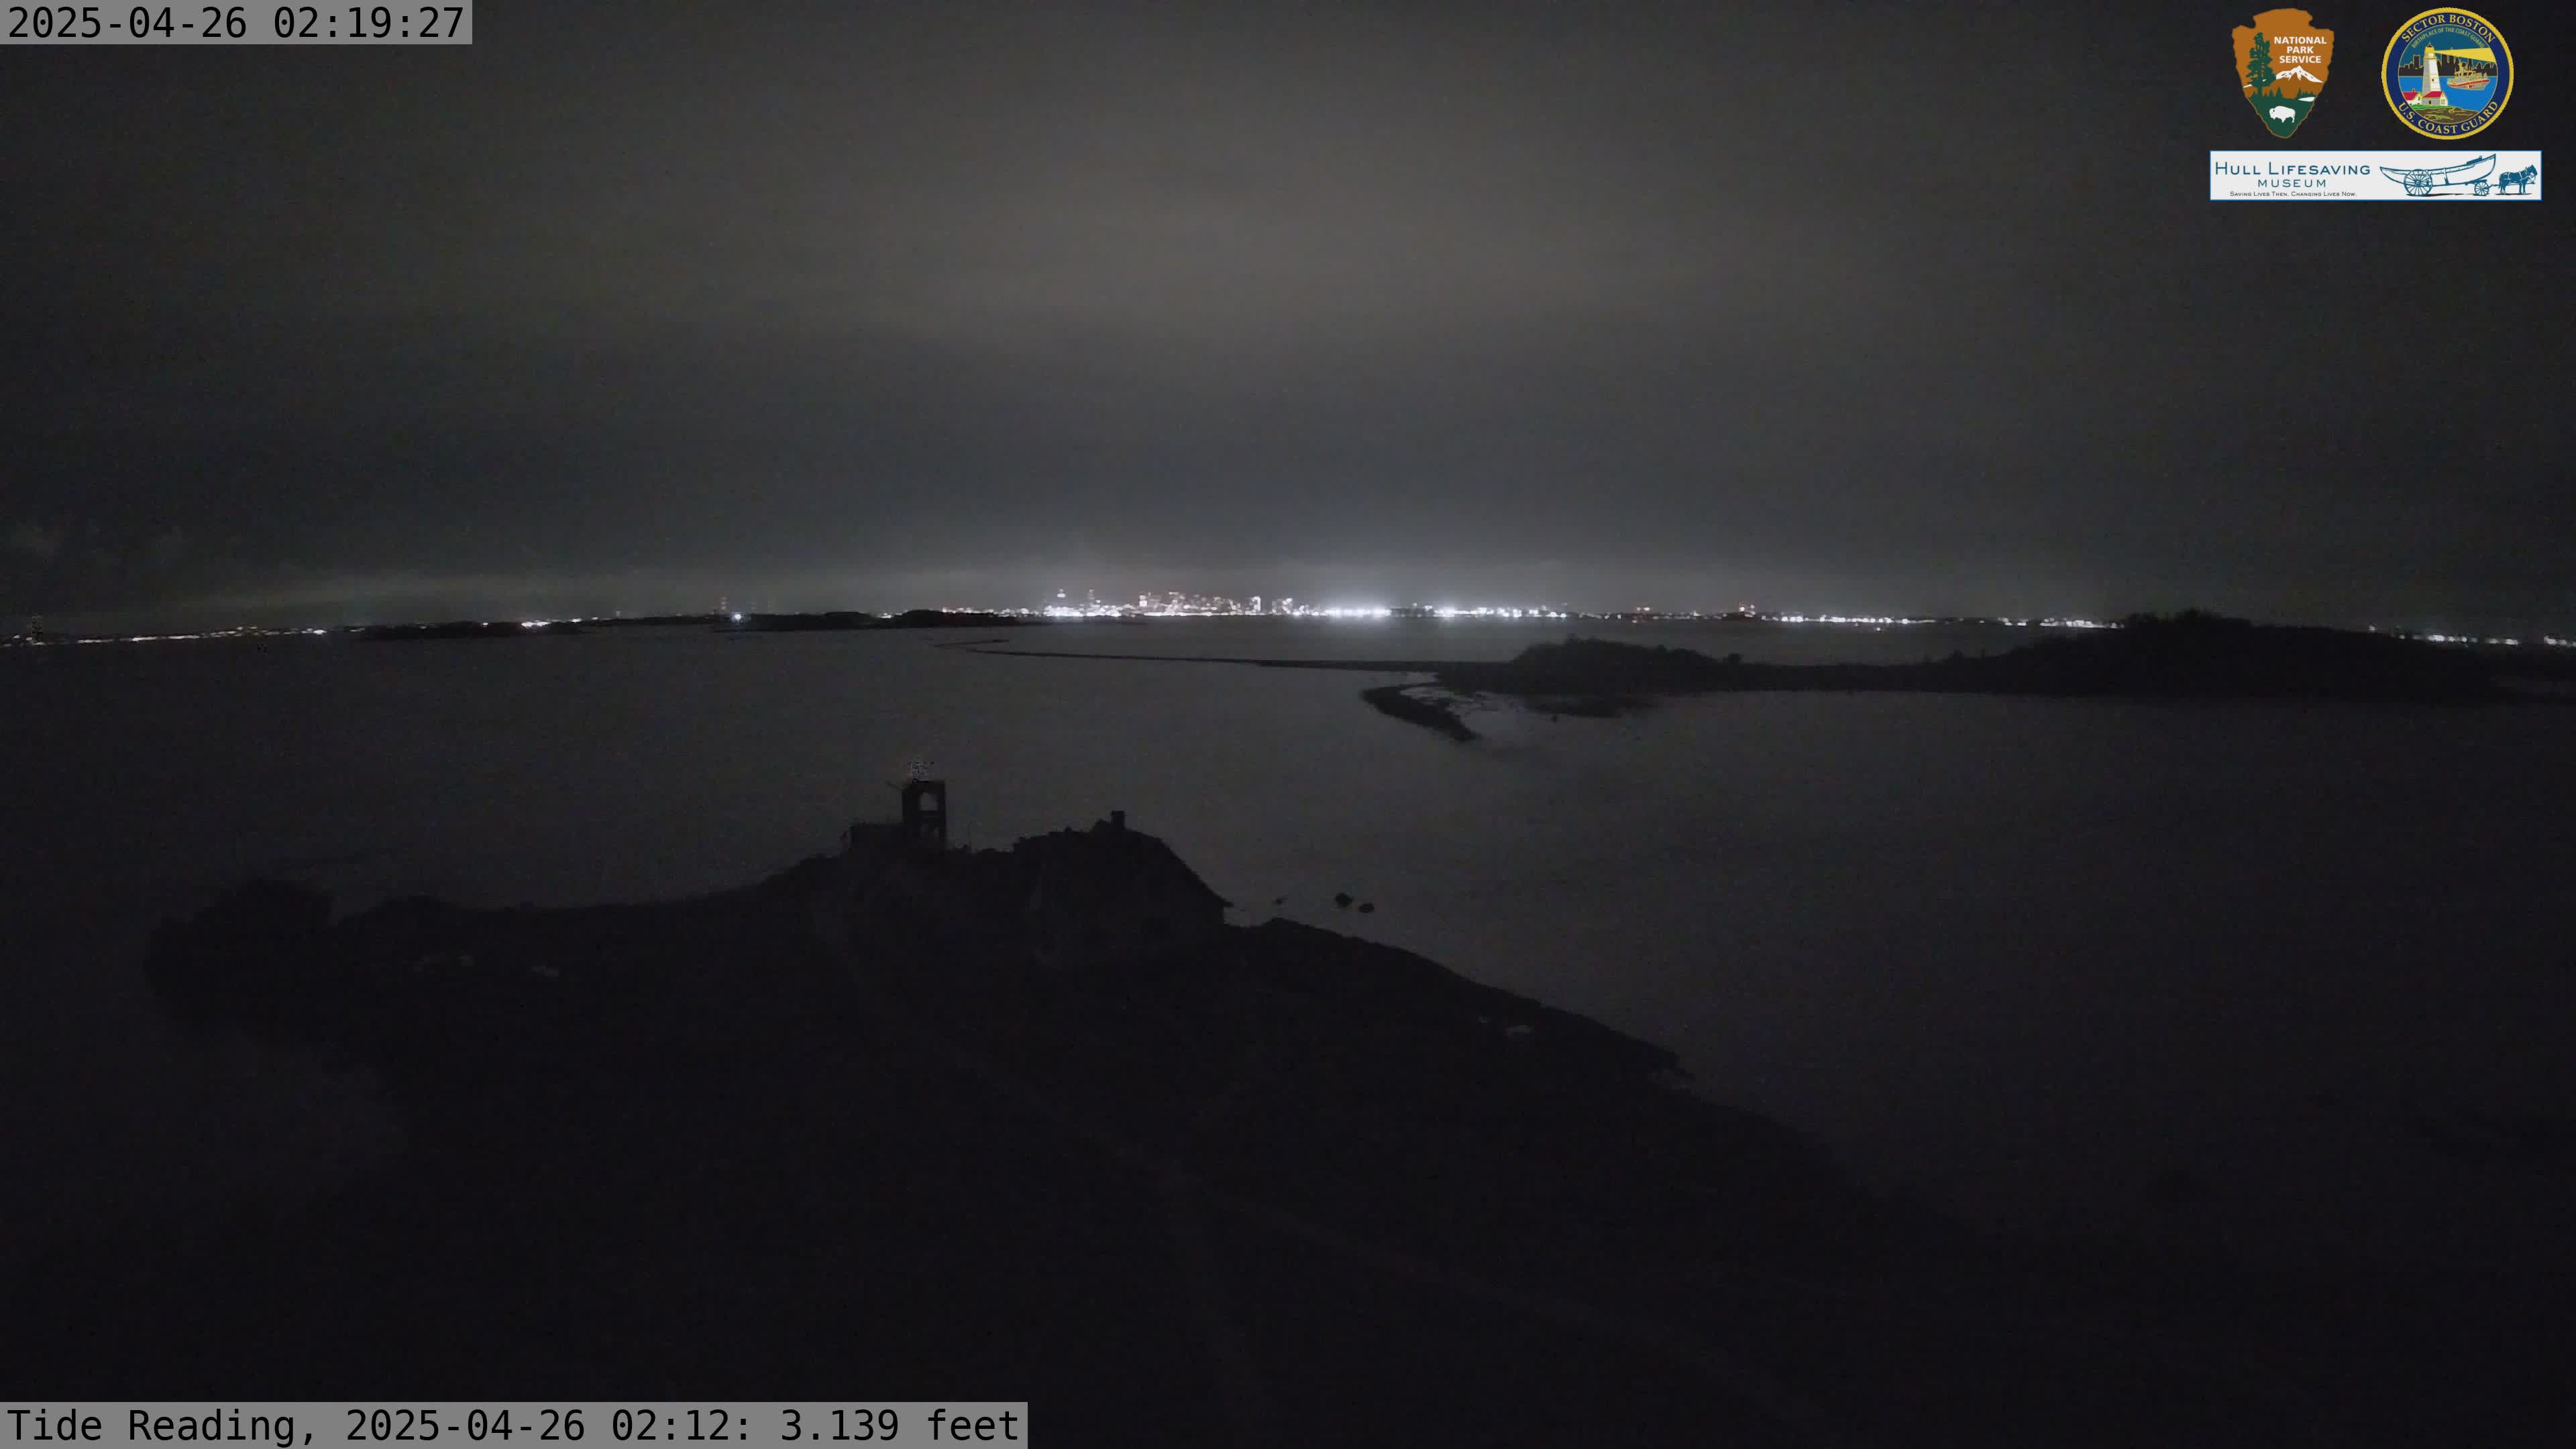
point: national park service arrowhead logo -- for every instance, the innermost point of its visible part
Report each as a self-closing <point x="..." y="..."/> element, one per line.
<point x="2281" y="61"/>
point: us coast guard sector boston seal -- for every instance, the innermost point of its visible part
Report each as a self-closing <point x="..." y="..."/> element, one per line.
<point x="2447" y="74"/>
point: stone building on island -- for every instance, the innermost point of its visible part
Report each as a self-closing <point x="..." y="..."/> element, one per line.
<point x="1063" y="900"/>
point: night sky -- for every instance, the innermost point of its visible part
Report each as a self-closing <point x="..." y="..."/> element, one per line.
<point x="1850" y="306"/>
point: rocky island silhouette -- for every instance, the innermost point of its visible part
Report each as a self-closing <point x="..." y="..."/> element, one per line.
<point x="1042" y="1122"/>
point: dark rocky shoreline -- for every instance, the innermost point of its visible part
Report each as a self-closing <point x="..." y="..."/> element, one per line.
<point x="864" y="1122"/>
<point x="2191" y="656"/>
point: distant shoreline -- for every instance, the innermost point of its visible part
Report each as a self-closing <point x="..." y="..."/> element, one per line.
<point x="831" y="621"/>
<point x="2188" y="657"/>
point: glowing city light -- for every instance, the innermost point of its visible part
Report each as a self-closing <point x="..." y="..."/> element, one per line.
<point x="1177" y="605"/>
<point x="2490" y="641"/>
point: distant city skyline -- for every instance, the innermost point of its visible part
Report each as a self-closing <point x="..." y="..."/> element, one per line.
<point x="495" y="600"/>
<point x="1179" y="604"/>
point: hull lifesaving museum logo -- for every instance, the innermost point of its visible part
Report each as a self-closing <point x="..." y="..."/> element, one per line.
<point x="2281" y="61"/>
<point x="2447" y="74"/>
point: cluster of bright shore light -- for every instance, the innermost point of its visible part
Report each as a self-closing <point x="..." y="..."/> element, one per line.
<point x="1337" y="611"/>
<point x="1487" y="611"/>
<point x="2551" y="640"/>
<point x="1882" y="621"/>
<point x="1298" y="611"/>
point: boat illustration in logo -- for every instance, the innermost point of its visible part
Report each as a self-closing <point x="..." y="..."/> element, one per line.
<point x="2469" y="178"/>
<point x="2476" y="176"/>
<point x="2281" y="64"/>
<point x="2447" y="73"/>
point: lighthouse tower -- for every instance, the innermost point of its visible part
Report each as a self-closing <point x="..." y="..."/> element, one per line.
<point x="2430" y="92"/>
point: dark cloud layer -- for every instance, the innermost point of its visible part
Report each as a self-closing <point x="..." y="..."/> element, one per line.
<point x="1864" y="305"/>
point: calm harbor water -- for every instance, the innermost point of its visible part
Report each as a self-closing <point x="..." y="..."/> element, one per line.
<point x="2271" y="974"/>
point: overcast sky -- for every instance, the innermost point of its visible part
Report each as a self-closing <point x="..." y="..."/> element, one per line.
<point x="1863" y="306"/>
